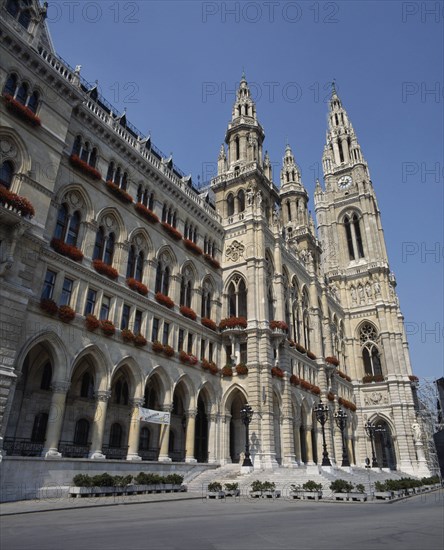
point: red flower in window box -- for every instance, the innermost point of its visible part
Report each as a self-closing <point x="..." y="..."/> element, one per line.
<point x="66" y="250"/>
<point x="212" y="261"/>
<point x="311" y="355"/>
<point x="148" y="214"/>
<point x="23" y="112"/>
<point x="91" y="322"/>
<point x="306" y="385"/>
<point x="294" y="380"/>
<point x="188" y="312"/>
<point x="140" y="340"/>
<point x="184" y="357"/>
<point x="291" y="343"/>
<point x="330" y="396"/>
<point x="209" y="323"/>
<point x="209" y="366"/>
<point x="227" y="371"/>
<point x="315" y="389"/>
<point x="242" y="369"/>
<point x="347" y="404"/>
<point x="172" y="231"/>
<point x="107" y="327"/>
<point x="192" y="359"/>
<point x="49" y="306"/>
<point x="136" y="285"/>
<point x="372" y="378"/>
<point x="278" y="325"/>
<point x="105" y="269"/>
<point x="84" y="167"/>
<point x="277" y="372"/>
<point x="168" y="351"/>
<point x="233" y="322"/>
<point x="164" y="300"/>
<point x="16" y="202"/>
<point x="157" y="347"/>
<point x="193" y="247"/>
<point x="121" y="194"/>
<point x="300" y="348"/>
<point x="127" y="335"/>
<point x="332" y="361"/>
<point x="66" y="314"/>
<point x="344" y="376"/>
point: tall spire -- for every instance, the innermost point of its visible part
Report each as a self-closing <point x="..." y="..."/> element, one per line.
<point x="290" y="172"/>
<point x="342" y="149"/>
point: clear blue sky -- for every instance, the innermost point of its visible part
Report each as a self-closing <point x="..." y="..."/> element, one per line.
<point x="175" y="66"/>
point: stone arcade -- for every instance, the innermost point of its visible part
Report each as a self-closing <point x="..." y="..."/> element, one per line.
<point x="121" y="235"/>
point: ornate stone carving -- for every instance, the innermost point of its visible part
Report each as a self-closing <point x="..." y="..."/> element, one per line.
<point x="235" y="251"/>
<point x="60" y="386"/>
<point x="103" y="395"/>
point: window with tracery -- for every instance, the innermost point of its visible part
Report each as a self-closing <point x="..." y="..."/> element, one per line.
<point x="368" y="337"/>
<point x="237" y="298"/>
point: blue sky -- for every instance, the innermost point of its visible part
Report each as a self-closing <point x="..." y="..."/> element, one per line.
<point x="175" y="66"/>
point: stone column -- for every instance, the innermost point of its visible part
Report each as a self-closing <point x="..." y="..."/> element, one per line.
<point x="297" y="443"/>
<point x="98" y="430"/>
<point x="189" y="442"/>
<point x="55" y="419"/>
<point x="165" y="437"/>
<point x="212" y="439"/>
<point x="308" y="445"/>
<point x="134" y="431"/>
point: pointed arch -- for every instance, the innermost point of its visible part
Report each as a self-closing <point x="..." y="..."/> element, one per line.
<point x="111" y="218"/>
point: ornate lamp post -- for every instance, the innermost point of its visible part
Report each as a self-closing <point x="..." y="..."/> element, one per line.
<point x="321" y="412"/>
<point x="341" y="423"/>
<point x="246" y="416"/>
<point x="371" y="430"/>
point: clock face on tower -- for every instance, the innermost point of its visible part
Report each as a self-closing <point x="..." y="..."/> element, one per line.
<point x="344" y="182"/>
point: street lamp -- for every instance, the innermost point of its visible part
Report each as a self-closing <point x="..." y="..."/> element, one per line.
<point x="246" y="416"/>
<point x="321" y="412"/>
<point x="371" y="430"/>
<point x="341" y="423"/>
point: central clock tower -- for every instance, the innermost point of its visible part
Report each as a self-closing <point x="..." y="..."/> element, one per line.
<point x="354" y="262"/>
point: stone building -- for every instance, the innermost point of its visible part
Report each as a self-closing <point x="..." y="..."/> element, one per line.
<point x="123" y="286"/>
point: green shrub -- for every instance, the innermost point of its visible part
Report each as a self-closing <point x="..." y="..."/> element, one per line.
<point x="122" y="481"/>
<point x="214" y="487"/>
<point x="102" y="480"/>
<point x="231" y="486"/>
<point x="341" y="486"/>
<point x="82" y="480"/>
<point x="268" y="486"/>
<point x="360" y="488"/>
<point x="175" y="479"/>
<point x="296" y="487"/>
<point x="257" y="486"/>
<point x="380" y="486"/>
<point x="144" y="478"/>
<point x="311" y="485"/>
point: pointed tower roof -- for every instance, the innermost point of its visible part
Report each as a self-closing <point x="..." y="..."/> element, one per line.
<point x="290" y="173"/>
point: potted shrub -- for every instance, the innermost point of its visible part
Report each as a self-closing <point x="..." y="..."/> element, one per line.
<point x="136" y="285"/>
<point x="340" y="489"/>
<point x="193" y="359"/>
<point x="300" y="348"/>
<point x="214" y="490"/>
<point x="382" y="492"/>
<point x="209" y="323"/>
<point x="107" y="327"/>
<point x="358" y="494"/>
<point x="242" y="369"/>
<point x="312" y="490"/>
<point x="84" y="167"/>
<point x="66" y="314"/>
<point x="232" y="489"/>
<point x="91" y="322"/>
<point x="311" y="355"/>
<point x="49" y="306"/>
<point x="233" y="323"/>
<point x="144" y="211"/>
<point x="269" y="490"/>
<point x="330" y="396"/>
<point x="315" y="389"/>
<point x="278" y="325"/>
<point x="227" y="371"/>
<point x="256" y="489"/>
<point x="16" y="202"/>
<point x="127" y="335"/>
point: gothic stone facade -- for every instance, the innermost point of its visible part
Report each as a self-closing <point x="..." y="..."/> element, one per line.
<point x="113" y="291"/>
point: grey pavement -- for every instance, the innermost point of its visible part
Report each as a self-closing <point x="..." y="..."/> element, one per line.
<point x="410" y="524"/>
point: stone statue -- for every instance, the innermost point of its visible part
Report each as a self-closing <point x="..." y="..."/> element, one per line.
<point x="417" y="434"/>
<point x="353" y="294"/>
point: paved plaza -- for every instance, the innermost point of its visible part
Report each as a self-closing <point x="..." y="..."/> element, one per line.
<point x="414" y="523"/>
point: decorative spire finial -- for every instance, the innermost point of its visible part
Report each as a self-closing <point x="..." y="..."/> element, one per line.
<point x="243" y="74"/>
<point x="333" y="87"/>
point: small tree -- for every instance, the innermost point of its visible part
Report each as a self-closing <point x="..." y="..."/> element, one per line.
<point x="311" y="485"/>
<point x="360" y="488"/>
<point x="341" y="486"/>
<point x="214" y="487"/>
<point x="257" y="486"/>
<point x="231" y="486"/>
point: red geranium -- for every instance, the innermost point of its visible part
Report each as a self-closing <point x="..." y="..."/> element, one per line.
<point x="148" y="214"/>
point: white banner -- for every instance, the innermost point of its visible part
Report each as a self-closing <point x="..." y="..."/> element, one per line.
<point x="155" y="417"/>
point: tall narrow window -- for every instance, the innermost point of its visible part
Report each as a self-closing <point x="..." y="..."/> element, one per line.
<point x="180" y="339"/>
<point x="349" y="238"/>
<point x="105" y="307"/>
<point x="65" y="297"/>
<point x="115" y="435"/>
<point x="190" y="343"/>
<point x="241" y="200"/>
<point x="166" y="333"/>
<point x="138" y="274"/>
<point x="6" y="174"/>
<point x="237" y="147"/>
<point x="62" y="222"/>
<point x="230" y="205"/>
<point x="242" y="299"/>
<point x="109" y="249"/>
<point x="99" y="244"/>
<point x="87" y="386"/>
<point x="11" y="85"/>
<point x="39" y="428"/>
<point x="22" y="93"/>
<point x="48" y="285"/>
<point x="45" y="383"/>
<point x="124" y="323"/>
<point x="131" y="262"/>
<point x="358" y="236"/>
<point x="81" y="432"/>
<point x="137" y="321"/>
<point x="155" y="331"/>
<point x="90" y="304"/>
<point x="73" y="229"/>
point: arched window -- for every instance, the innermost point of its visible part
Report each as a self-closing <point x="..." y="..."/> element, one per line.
<point x="138" y="274"/>
<point x="289" y="211"/>
<point x="87" y="386"/>
<point x="77" y="146"/>
<point x="185" y="293"/>
<point x="270" y="302"/>
<point x="20" y="11"/>
<point x="110" y="173"/>
<point x="33" y="102"/>
<point x="306" y="319"/>
<point x="6" y="174"/>
<point x="237" y="147"/>
<point x="349" y="238"/>
<point x="109" y="249"/>
<point x="241" y="200"/>
<point x="81" y="432"/>
<point x="358" y="236"/>
<point x="12" y="7"/>
<point x="131" y="262"/>
<point x="162" y="278"/>
<point x="93" y="158"/>
<point x="22" y="93"/>
<point x="84" y="155"/>
<point x="99" y="244"/>
<point x="206" y="304"/>
<point x="115" y="435"/>
<point x="11" y="85"/>
<point x="368" y="337"/>
<point x="45" y="383"/>
<point x="237" y="299"/>
<point x="230" y="205"/>
<point x="25" y="18"/>
<point x="62" y="222"/>
<point x="73" y="229"/>
<point x="38" y="434"/>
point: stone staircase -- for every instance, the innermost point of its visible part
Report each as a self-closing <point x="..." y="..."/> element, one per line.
<point x="285" y="477"/>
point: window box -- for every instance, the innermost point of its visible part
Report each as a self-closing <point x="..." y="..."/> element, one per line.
<point x="233" y="323"/>
<point x="188" y="312"/>
<point x="209" y="366"/>
<point x="16" y="202"/>
<point x="369" y="378"/>
<point x="84" y="167"/>
<point x="305" y="385"/>
<point x="127" y="335"/>
<point x="330" y="396"/>
<point x="49" y="306"/>
<point x="300" y="348"/>
<point x="315" y="389"/>
<point x="67" y="250"/>
<point x="278" y="325"/>
<point x="157" y="347"/>
<point x="227" y="371"/>
<point x="277" y="372"/>
<point x="311" y="355"/>
<point x="140" y="341"/>
<point x="21" y="111"/>
<point x="347" y="404"/>
<point x="119" y="193"/>
<point x="148" y="214"/>
<point x="105" y="269"/>
<point x="168" y="351"/>
<point x="164" y="300"/>
<point x="91" y="322"/>
<point x="332" y="361"/>
<point x="209" y="323"/>
<point x="295" y="380"/>
<point x="193" y="359"/>
<point x="137" y="286"/>
<point x="193" y="247"/>
<point x="184" y="357"/>
<point x="212" y="261"/>
<point x="107" y="327"/>
<point x="172" y="231"/>
<point x="242" y="369"/>
<point x="66" y="314"/>
<point x="344" y="376"/>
